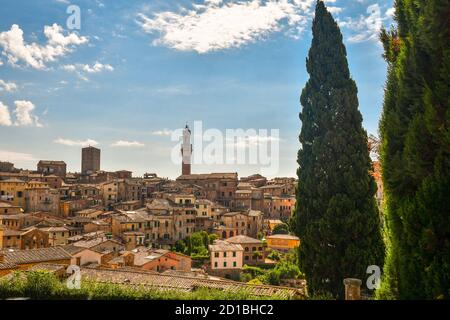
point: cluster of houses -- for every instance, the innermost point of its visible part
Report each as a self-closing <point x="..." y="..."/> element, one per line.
<point x="114" y="221"/>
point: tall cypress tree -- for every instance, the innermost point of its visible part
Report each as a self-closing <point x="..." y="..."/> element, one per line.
<point x="416" y="151"/>
<point x="336" y="216"/>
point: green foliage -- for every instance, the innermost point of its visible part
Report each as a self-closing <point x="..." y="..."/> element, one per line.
<point x="213" y="237"/>
<point x="281" y="228"/>
<point x="45" y="285"/>
<point x="245" y="277"/>
<point x="415" y="152"/>
<point x="274" y="255"/>
<point x="336" y="215"/>
<point x="286" y="268"/>
<point x="196" y="245"/>
<point x="180" y="246"/>
<point x="255" y="281"/>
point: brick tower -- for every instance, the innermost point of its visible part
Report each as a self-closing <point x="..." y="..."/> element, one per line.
<point x="186" y="152"/>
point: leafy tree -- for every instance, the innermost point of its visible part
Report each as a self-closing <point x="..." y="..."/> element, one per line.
<point x="415" y="152"/>
<point x="213" y="237"/>
<point x="180" y="246"/>
<point x="336" y="215"/>
<point x="274" y="255"/>
<point x="281" y="228"/>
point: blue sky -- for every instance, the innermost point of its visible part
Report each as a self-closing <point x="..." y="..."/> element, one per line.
<point x="138" y="69"/>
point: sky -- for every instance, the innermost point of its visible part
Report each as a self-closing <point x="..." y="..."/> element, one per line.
<point x="135" y="71"/>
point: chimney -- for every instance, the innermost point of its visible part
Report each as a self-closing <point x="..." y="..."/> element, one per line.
<point x="352" y="289"/>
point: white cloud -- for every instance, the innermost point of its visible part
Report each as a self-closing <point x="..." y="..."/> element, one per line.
<point x="368" y="27"/>
<point x="97" y="67"/>
<point x="76" y="143"/>
<point x="122" y="143"/>
<point x="7" y="86"/>
<point x="81" y="69"/>
<point x="163" y="132"/>
<point x="35" y="55"/>
<point x="69" y="67"/>
<point x="335" y="10"/>
<point x="5" y="116"/>
<point x="217" y="25"/>
<point x="16" y="156"/>
<point x="24" y="114"/>
<point x="390" y="12"/>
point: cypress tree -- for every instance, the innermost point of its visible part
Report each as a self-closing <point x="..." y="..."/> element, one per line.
<point x="336" y="215"/>
<point x="415" y="151"/>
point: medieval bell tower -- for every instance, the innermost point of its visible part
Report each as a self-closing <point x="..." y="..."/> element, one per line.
<point x="186" y="152"/>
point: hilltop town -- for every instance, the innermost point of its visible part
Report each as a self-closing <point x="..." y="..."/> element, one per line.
<point x="202" y="226"/>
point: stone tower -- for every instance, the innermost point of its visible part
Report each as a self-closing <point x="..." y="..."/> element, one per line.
<point x="90" y="160"/>
<point x="186" y="152"/>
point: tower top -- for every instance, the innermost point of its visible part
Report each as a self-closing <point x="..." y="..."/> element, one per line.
<point x="187" y="127"/>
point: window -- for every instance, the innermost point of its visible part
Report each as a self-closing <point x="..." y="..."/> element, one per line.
<point x="216" y="254"/>
<point x="234" y="264"/>
<point x="224" y="254"/>
<point x="234" y="254"/>
<point x="215" y="265"/>
<point x="246" y="248"/>
<point x="225" y="264"/>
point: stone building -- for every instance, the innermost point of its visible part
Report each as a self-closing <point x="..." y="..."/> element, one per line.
<point x="90" y="160"/>
<point x="7" y="208"/>
<point x="218" y="187"/>
<point x="23" y="239"/>
<point x="254" y="252"/>
<point x="159" y="260"/>
<point x="226" y="259"/>
<point x="282" y="242"/>
<point x="56" y="168"/>
<point x="279" y="207"/>
<point x="25" y="259"/>
<point x="57" y="236"/>
<point x="42" y="198"/>
<point x="6" y="166"/>
<point x="13" y="191"/>
<point x="249" y="223"/>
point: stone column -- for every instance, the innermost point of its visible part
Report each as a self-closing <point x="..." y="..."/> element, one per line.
<point x="352" y="289"/>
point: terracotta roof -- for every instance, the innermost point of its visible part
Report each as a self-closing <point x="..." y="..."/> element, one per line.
<point x="209" y="176"/>
<point x="220" y="245"/>
<point x="184" y="283"/>
<point x="36" y="255"/>
<point x="48" y="267"/>
<point x="71" y="249"/>
<point x="243" y="239"/>
<point x="54" y="229"/>
<point x="13" y="180"/>
<point x="50" y="162"/>
<point x="93" y="242"/>
<point x="255" y="213"/>
<point x="283" y="236"/>
<point x="7" y="266"/>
